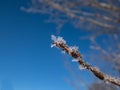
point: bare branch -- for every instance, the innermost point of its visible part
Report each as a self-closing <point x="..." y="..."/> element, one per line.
<point x="105" y="6"/>
<point x="72" y="15"/>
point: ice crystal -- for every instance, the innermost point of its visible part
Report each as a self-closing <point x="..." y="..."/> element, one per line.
<point x="73" y="49"/>
<point x="61" y="40"/>
<point x="75" y="60"/>
<point x="53" y="38"/>
<point x="53" y="45"/>
<point x="106" y="82"/>
<point x="81" y="67"/>
<point x="58" y="39"/>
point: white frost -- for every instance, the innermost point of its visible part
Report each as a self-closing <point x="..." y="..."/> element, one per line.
<point x="53" y="38"/>
<point x="58" y="39"/>
<point x="73" y="49"/>
<point x="75" y="60"/>
<point x="81" y="67"/>
<point x="53" y="45"/>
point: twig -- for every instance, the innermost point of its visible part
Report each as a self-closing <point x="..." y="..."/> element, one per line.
<point x="73" y="51"/>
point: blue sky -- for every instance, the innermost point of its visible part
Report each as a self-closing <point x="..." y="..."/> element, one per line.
<point x="27" y="61"/>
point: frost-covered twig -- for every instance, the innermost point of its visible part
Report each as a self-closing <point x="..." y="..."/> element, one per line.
<point x="73" y="51"/>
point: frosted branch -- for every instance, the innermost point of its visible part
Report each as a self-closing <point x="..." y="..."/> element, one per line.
<point x="61" y="43"/>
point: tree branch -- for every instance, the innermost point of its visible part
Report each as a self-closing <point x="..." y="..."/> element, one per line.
<point x="99" y="16"/>
<point x="73" y="51"/>
<point x="105" y="6"/>
<point x="72" y="15"/>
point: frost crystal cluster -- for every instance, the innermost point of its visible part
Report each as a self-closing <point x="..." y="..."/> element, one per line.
<point x="81" y="67"/>
<point x="73" y="49"/>
<point x="75" y="60"/>
<point x="58" y="40"/>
